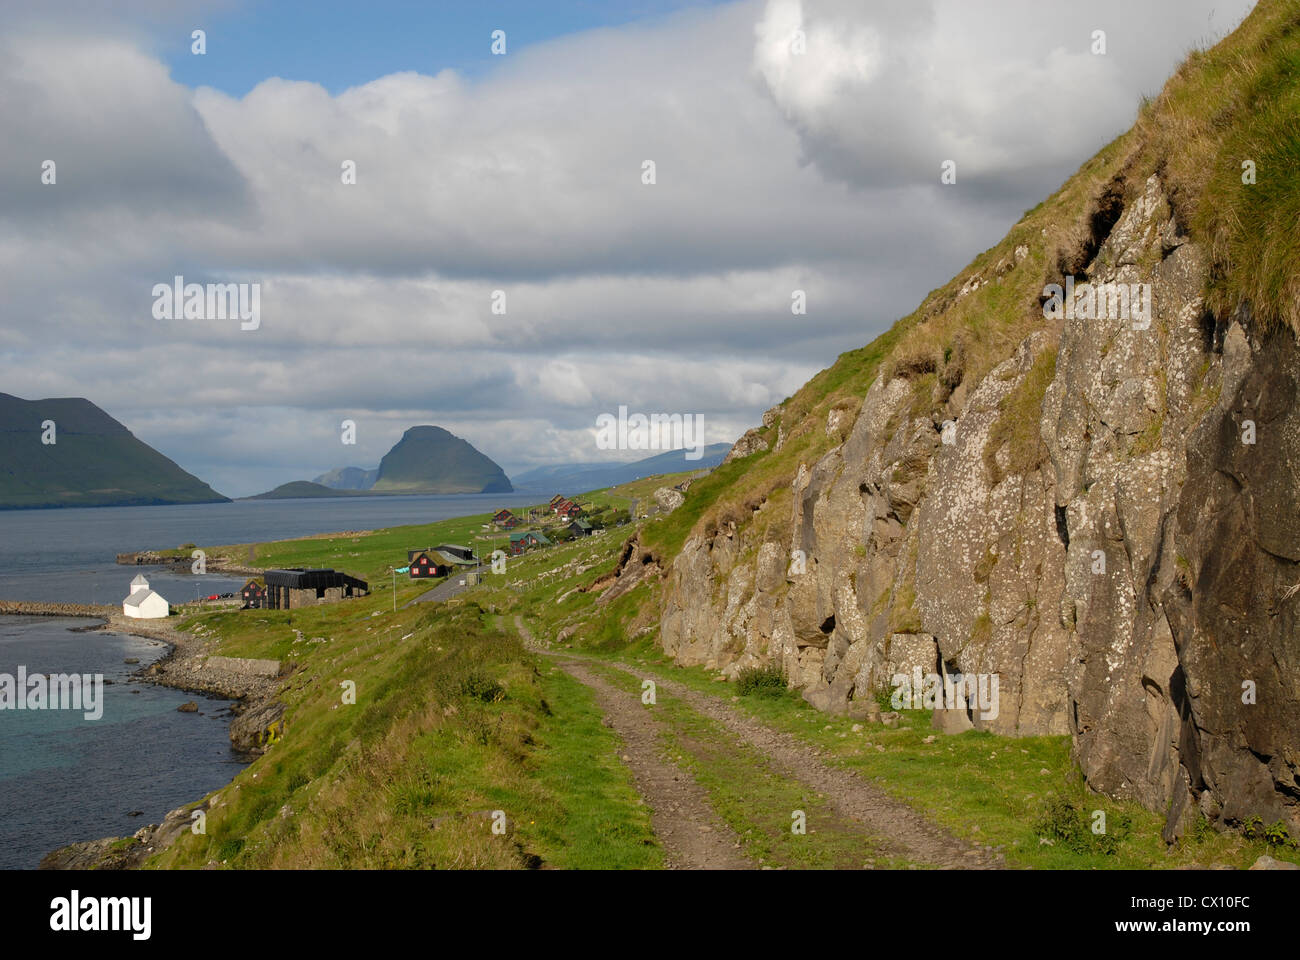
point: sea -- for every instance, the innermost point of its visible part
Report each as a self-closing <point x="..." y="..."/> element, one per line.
<point x="64" y="777"/>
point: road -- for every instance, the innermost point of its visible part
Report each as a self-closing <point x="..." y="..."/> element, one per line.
<point x="683" y="817"/>
<point x="449" y="588"/>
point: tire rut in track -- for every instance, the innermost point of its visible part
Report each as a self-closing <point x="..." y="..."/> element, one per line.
<point x="692" y="834"/>
<point x="897" y="825"/>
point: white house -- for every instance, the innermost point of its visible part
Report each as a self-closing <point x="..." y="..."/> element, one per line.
<point x="143" y="603"/>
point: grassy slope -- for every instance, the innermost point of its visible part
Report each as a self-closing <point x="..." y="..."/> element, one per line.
<point x="452" y="721"/>
<point x="369" y="554"/>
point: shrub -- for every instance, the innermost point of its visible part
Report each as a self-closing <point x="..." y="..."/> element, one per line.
<point x="482" y="687"/>
<point x="1275" y="835"/>
<point x="768" y="681"/>
<point x="1066" y="822"/>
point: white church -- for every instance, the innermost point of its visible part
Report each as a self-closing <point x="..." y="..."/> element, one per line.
<point x="143" y="603"/>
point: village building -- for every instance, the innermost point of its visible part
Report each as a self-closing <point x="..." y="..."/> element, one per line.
<point x="580" y="528"/>
<point x="294" y="588"/>
<point x="429" y="563"/>
<point x="527" y="540"/>
<point x="505" y="519"/>
<point x="564" y="507"/>
<point x="455" y="553"/>
<point x="253" y="594"/>
<point x="143" y="603"/>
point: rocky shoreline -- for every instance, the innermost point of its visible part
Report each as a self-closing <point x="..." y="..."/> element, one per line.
<point x="188" y="665"/>
<point x="150" y="558"/>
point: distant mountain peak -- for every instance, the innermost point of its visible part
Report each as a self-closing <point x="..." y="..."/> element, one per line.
<point x="430" y="459"/>
<point x="348" y="478"/>
<point x="578" y="477"/>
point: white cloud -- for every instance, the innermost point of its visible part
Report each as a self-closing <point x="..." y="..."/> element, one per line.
<point x="775" y="173"/>
<point x="894" y="88"/>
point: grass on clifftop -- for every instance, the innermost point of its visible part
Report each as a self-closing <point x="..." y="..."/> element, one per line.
<point x="1234" y="104"/>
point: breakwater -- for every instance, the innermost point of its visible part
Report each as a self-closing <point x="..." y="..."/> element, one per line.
<point x="40" y="608"/>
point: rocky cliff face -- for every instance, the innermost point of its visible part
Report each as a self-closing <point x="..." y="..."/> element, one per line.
<point x="1089" y="521"/>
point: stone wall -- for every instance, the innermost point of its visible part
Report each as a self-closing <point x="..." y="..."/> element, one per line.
<point x="43" y="609"/>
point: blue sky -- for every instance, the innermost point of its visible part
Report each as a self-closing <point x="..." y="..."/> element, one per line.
<point x="342" y="43"/>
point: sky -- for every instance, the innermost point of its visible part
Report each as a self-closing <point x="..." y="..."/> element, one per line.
<point x="499" y="266"/>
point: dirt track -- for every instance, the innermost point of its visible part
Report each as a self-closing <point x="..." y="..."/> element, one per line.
<point x="687" y="825"/>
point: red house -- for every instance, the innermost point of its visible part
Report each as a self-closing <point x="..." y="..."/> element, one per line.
<point x="506" y="519"/>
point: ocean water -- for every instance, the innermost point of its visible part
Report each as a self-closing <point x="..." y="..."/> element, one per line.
<point x="64" y="778"/>
<point x="69" y="554"/>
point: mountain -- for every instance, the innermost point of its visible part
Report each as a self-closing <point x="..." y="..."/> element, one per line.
<point x="348" y="478"/>
<point x="428" y="459"/>
<point x="302" y="489"/>
<point x="1095" y="503"/>
<point x="580" y="477"/>
<point x="94" y="460"/>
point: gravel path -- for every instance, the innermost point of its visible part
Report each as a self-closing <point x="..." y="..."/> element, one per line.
<point x="901" y="830"/>
<point x="692" y="834"/>
<point x="898" y="825"/>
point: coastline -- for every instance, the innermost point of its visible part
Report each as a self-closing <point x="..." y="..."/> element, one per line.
<point x="187" y="665"/>
<point x="151" y="558"/>
<point x="190" y="665"/>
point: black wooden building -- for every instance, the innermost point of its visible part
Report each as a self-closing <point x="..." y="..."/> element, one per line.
<point x="295" y="587"/>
